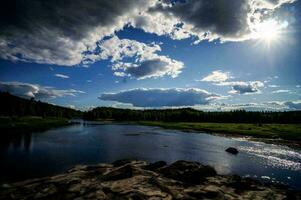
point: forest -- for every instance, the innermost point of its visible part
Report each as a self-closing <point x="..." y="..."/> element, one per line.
<point x="19" y="107"/>
<point x="192" y="115"/>
<point x="14" y="106"/>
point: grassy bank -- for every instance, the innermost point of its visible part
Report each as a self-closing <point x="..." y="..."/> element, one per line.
<point x="271" y="131"/>
<point x="29" y="124"/>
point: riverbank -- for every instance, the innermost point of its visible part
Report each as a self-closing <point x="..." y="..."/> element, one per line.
<point x="125" y="179"/>
<point x="290" y="132"/>
<point x="30" y="124"/>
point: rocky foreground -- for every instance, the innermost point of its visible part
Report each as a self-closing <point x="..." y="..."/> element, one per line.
<point x="127" y="179"/>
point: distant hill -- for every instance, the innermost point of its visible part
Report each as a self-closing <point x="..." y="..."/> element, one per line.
<point x="15" y="106"/>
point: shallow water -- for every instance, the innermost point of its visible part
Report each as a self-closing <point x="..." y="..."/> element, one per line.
<point x="54" y="151"/>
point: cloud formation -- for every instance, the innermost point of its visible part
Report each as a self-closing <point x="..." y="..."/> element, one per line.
<point x="211" y="19"/>
<point x="145" y="60"/>
<point x="221" y="78"/>
<point x="161" y="97"/>
<point x="28" y="90"/>
<point x="217" y="76"/>
<point x="280" y="91"/>
<point x="227" y="20"/>
<point x="240" y="87"/>
<point x="61" y="76"/>
<point x="259" y="106"/>
<point x="295" y="105"/>
<point x="62" y="33"/>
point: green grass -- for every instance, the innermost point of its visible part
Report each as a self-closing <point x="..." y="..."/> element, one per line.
<point x="29" y="124"/>
<point x="271" y="131"/>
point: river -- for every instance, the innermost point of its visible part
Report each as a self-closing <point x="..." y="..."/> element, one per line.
<point x="55" y="151"/>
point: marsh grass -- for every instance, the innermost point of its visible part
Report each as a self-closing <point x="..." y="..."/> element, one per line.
<point x="271" y="131"/>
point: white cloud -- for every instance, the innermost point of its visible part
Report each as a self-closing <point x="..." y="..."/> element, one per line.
<point x="273" y="86"/>
<point x="258" y="106"/>
<point x="221" y="78"/>
<point x="61" y="76"/>
<point x="71" y="106"/>
<point x="217" y="76"/>
<point x="280" y="91"/>
<point x="28" y="90"/>
<point x="145" y="60"/>
<point x="118" y="49"/>
<point x="161" y="97"/>
<point x="121" y="74"/>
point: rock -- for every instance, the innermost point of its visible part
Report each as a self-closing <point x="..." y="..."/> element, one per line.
<point x="187" y="172"/>
<point x="121" y="162"/>
<point x="240" y="183"/>
<point x="122" y="172"/>
<point x="232" y="150"/>
<point x="141" y="180"/>
<point x="156" y="165"/>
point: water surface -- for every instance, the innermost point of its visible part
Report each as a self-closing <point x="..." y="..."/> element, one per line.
<point x="54" y="151"/>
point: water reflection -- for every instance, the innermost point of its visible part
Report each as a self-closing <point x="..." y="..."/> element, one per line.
<point x="20" y="142"/>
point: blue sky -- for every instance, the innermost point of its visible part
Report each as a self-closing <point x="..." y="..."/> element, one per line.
<point x="255" y="70"/>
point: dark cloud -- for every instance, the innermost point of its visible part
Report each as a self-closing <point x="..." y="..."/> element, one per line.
<point x="68" y="18"/>
<point x="28" y="90"/>
<point x="161" y="97"/>
<point x="64" y="32"/>
<point x="147" y="68"/>
<point x="247" y="88"/>
<point x="227" y="18"/>
<point x="293" y="105"/>
<point x="241" y="87"/>
<point x="155" y="68"/>
<point x="58" y="32"/>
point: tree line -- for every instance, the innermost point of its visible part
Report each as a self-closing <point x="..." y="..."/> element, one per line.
<point x="192" y="115"/>
<point x="15" y="106"/>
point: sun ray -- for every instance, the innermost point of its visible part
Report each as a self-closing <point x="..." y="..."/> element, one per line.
<point x="269" y="31"/>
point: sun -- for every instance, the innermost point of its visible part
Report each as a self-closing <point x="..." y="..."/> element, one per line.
<point x="269" y="30"/>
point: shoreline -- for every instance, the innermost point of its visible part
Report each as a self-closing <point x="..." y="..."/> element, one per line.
<point x="266" y="137"/>
<point x="30" y="124"/>
<point x="133" y="179"/>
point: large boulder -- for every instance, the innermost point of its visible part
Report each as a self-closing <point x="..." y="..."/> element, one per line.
<point x="232" y="150"/>
<point x="187" y="172"/>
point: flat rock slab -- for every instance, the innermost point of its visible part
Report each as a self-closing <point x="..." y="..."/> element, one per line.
<point x="130" y="179"/>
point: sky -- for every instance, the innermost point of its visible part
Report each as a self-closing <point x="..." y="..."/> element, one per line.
<point x="209" y="55"/>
